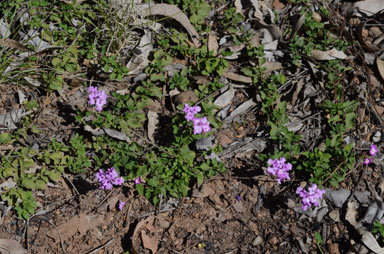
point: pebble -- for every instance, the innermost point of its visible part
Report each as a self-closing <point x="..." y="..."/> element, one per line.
<point x="258" y="240"/>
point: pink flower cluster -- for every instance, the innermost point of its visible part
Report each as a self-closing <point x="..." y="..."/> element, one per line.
<point x="310" y="197"/>
<point x="97" y="98"/>
<point x="200" y="125"/>
<point x="279" y="168"/>
<point x="108" y="178"/>
<point x="372" y="151"/>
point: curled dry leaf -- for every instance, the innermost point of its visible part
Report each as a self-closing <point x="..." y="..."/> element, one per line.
<point x="362" y="34"/>
<point x="10" y="119"/>
<point x="110" y="132"/>
<point x="298" y="24"/>
<point x="140" y="59"/>
<point x="10" y="246"/>
<point x="380" y="67"/>
<point x="175" y="13"/>
<point x="327" y="55"/>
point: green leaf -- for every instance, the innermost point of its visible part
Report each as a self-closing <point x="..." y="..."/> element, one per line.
<point x="27" y="163"/>
<point x="40" y="185"/>
<point x="28" y="184"/>
<point x="5" y="138"/>
<point x="187" y="154"/>
<point x="53" y="175"/>
<point x="140" y="189"/>
<point x="318" y="238"/>
<point x="183" y="189"/>
<point x="350" y="120"/>
<point x="56" y="61"/>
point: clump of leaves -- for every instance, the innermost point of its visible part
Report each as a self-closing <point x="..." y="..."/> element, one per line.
<point x="26" y="170"/>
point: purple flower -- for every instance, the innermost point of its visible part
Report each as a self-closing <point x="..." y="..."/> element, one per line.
<point x="99" y="99"/>
<point x="373" y="151"/>
<point x="108" y="178"/>
<point x="367" y="160"/>
<point x="201" y="125"/>
<point x="310" y="197"/>
<point x="121" y="205"/>
<point x="138" y="180"/>
<point x="279" y="168"/>
<point x="190" y="112"/>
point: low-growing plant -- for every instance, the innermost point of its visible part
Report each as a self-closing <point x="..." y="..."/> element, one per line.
<point x="26" y="170"/>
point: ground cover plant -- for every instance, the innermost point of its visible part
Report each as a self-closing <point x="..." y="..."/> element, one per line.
<point x="174" y="127"/>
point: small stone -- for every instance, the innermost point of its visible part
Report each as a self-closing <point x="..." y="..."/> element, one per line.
<point x="185" y="97"/>
<point x="258" y="241"/>
<point x="334" y="215"/>
<point x="163" y="223"/>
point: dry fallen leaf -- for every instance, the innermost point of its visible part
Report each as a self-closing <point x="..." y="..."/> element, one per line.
<point x="369" y="240"/>
<point x="140" y="58"/>
<point x="369" y="6"/>
<point x="272" y="66"/>
<point x="9" y="43"/>
<point x="328" y="55"/>
<point x="213" y="45"/>
<point x="153" y="120"/>
<point x="81" y="223"/>
<point x="244" y="107"/>
<point x="9" y="246"/>
<point x="237" y="77"/>
<point x="205" y="191"/>
<point x="226" y="98"/>
<point x="10" y="119"/>
<point x="175" y="13"/>
<point x="110" y="132"/>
